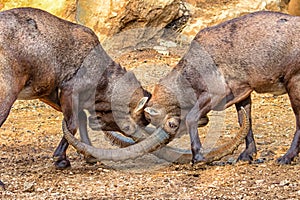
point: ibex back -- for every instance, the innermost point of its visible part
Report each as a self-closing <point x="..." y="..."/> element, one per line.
<point x="224" y="64"/>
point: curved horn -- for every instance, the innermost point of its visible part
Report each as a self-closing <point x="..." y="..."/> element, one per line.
<point x="154" y="141"/>
<point x="227" y="149"/>
<point x="177" y="155"/>
<point x="170" y="154"/>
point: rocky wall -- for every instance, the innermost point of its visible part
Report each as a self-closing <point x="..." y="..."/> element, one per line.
<point x="138" y="23"/>
<point x="294" y="7"/>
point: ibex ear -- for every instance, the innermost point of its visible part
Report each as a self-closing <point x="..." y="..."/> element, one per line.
<point x="151" y="111"/>
<point x="141" y="104"/>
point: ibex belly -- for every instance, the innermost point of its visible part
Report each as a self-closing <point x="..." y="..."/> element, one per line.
<point x="36" y="91"/>
<point x="277" y="88"/>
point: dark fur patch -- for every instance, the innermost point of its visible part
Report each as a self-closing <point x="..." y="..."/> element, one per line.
<point x="282" y="20"/>
<point x="32" y="22"/>
<point x="281" y="79"/>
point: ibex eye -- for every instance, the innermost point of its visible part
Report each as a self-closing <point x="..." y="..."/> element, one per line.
<point x="173" y="125"/>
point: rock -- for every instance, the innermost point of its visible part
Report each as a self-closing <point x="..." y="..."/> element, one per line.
<point x="267" y="153"/>
<point x="162" y="50"/>
<point x="294" y="7"/>
<point x="258" y="182"/>
<point x="109" y="18"/>
<point x="258" y="161"/>
<point x="284" y="183"/>
<point x="29" y="187"/>
<point x="168" y="44"/>
<point x="231" y="160"/>
<point x="62" y="8"/>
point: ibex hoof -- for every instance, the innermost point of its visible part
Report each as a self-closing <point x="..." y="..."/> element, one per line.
<point x="284" y="160"/>
<point x="62" y="164"/>
<point x="246" y="156"/>
<point x="197" y="158"/>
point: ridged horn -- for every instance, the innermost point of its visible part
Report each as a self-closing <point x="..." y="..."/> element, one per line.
<point x="151" y="143"/>
<point x="177" y="155"/>
<point x="227" y="149"/>
<point x="170" y="154"/>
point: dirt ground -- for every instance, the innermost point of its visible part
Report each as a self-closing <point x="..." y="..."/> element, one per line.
<point x="33" y="130"/>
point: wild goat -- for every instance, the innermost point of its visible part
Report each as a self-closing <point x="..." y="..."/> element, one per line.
<point x="63" y="64"/>
<point x="224" y="64"/>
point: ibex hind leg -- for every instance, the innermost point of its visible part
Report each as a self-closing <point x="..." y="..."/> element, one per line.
<point x="11" y="84"/>
<point x="250" y="150"/>
<point x="7" y="98"/>
<point x="293" y="88"/>
<point x="5" y="106"/>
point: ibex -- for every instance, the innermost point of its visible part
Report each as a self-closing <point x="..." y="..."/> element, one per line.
<point x="224" y="64"/>
<point x="63" y="64"/>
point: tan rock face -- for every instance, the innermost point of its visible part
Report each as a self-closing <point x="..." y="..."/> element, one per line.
<point x="129" y="19"/>
<point x="62" y="8"/>
<point x="294" y="7"/>
<point x="138" y="23"/>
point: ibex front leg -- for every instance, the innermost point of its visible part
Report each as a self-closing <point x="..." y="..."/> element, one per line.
<point x="69" y="104"/>
<point x="200" y="109"/>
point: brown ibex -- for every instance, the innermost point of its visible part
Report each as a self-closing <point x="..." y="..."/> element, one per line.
<point x="63" y="64"/>
<point x="224" y="64"/>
